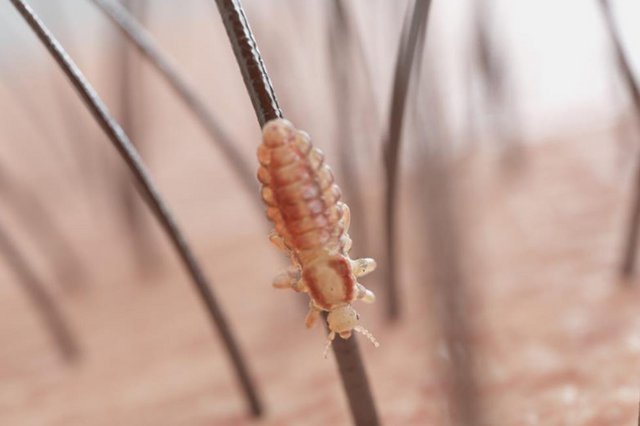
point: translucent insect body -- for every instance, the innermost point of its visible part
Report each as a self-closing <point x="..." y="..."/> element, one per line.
<point x="311" y="225"/>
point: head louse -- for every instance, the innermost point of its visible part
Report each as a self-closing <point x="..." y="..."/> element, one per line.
<point x="311" y="224"/>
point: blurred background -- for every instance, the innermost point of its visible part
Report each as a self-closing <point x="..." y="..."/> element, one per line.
<point x="517" y="166"/>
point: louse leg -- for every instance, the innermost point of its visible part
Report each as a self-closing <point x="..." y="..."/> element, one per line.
<point x="345" y="240"/>
<point x="364" y="294"/>
<point x="312" y="316"/>
<point x="277" y="240"/>
<point x="282" y="280"/>
<point x="345" y="243"/>
<point x="290" y="279"/>
<point x="364" y="266"/>
<point x="299" y="286"/>
<point x="346" y="217"/>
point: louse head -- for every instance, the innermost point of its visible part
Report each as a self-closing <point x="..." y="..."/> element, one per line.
<point x="277" y="132"/>
<point x="342" y="321"/>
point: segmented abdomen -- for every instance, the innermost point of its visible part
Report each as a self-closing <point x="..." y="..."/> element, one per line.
<point x="302" y="199"/>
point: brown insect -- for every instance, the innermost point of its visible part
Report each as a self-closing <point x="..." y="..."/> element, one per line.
<point x="311" y="225"/>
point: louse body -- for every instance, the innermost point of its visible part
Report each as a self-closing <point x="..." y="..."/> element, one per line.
<point x="311" y="226"/>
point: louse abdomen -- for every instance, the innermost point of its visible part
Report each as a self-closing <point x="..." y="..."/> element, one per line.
<point x="298" y="187"/>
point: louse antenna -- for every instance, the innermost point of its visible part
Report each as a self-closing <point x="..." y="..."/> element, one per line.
<point x="360" y="329"/>
<point x="330" y="338"/>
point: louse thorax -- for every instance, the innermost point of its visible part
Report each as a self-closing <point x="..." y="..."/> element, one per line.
<point x="329" y="280"/>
